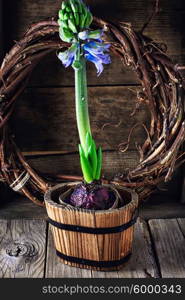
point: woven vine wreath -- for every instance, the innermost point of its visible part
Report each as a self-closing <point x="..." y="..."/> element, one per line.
<point x="162" y="92"/>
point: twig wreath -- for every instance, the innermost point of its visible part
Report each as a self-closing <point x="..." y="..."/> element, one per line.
<point x="162" y="91"/>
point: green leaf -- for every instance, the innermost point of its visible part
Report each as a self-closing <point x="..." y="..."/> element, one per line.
<point x="99" y="164"/>
<point x="86" y="168"/>
<point x="88" y="139"/>
<point x="92" y="155"/>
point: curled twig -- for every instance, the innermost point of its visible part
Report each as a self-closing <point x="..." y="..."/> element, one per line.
<point x="162" y="91"/>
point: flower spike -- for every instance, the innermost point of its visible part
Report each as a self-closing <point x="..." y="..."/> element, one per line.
<point x="86" y="44"/>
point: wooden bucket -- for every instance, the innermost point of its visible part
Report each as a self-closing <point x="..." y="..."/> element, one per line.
<point x="92" y="239"/>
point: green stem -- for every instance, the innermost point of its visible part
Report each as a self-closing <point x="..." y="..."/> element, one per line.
<point x="82" y="113"/>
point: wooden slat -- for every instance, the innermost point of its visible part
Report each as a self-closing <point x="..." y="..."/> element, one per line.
<point x="113" y="163"/>
<point x="114" y="74"/>
<point x="167" y="27"/>
<point x="169" y="243"/>
<point x="141" y="263"/>
<point x="56" y="269"/>
<point x="44" y="119"/>
<point x="22" y="248"/>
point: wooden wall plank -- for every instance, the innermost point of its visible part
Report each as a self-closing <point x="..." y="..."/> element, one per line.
<point x="44" y="119"/>
<point x="22" y="248"/>
<point x="141" y="264"/>
<point x="167" y="27"/>
<point x="113" y="163"/>
<point x="169" y="242"/>
<point x="51" y="72"/>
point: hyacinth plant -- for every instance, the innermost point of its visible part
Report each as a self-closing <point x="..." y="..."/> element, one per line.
<point x="74" y="22"/>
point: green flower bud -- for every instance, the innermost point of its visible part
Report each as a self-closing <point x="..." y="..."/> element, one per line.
<point x="77" y="15"/>
<point x="63" y="23"/>
<point x="66" y="35"/>
<point x="66" y="16"/>
<point x="71" y="25"/>
<point x="77" y="18"/>
<point x="61" y="14"/>
<point x="74" y="6"/>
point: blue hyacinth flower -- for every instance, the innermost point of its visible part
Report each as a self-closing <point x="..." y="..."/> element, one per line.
<point x="94" y="50"/>
<point x="67" y="57"/>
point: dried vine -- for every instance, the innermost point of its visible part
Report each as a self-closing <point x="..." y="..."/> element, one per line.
<point x="163" y="92"/>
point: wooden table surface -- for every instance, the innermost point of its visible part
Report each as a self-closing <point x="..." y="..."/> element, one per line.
<point x="27" y="251"/>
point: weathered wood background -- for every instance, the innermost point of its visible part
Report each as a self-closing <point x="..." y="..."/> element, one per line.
<point x="44" y="119"/>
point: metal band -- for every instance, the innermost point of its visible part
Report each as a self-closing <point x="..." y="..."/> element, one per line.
<point x="94" y="263"/>
<point x="100" y="230"/>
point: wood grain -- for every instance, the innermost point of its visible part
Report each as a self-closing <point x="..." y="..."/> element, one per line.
<point x="97" y="247"/>
<point x="113" y="163"/>
<point x="44" y="119"/>
<point x="56" y="269"/>
<point x="169" y="243"/>
<point x="142" y="263"/>
<point x="22" y="248"/>
<point x="139" y="265"/>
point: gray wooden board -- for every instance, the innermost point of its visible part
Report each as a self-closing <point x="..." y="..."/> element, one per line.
<point x="158" y="253"/>
<point x="140" y="265"/>
<point x="22" y="248"/>
<point x="19" y="207"/>
<point x="181" y="223"/>
<point x="169" y="242"/>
